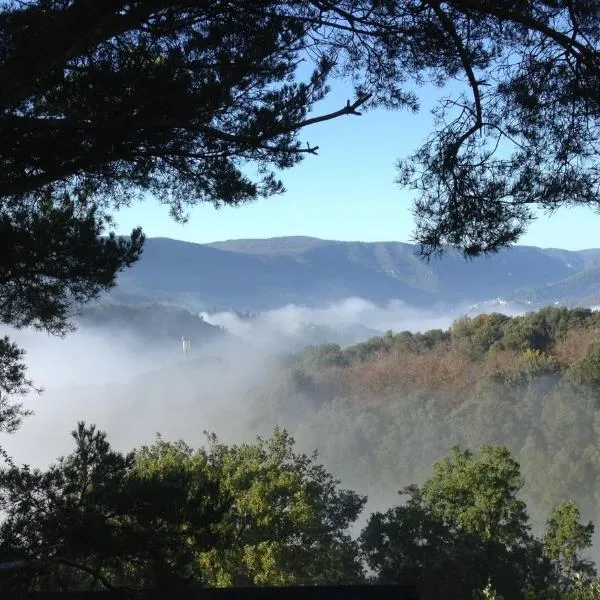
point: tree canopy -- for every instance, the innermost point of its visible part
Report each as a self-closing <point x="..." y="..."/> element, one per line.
<point x="171" y="517"/>
<point x="566" y="539"/>
<point x="167" y="516"/>
<point x="464" y="527"/>
<point x="118" y="98"/>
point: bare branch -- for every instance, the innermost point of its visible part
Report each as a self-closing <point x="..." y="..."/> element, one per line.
<point x="93" y="572"/>
<point x="474" y="84"/>
<point x="580" y="51"/>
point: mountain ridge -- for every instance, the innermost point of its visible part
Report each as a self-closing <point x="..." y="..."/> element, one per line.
<point x="266" y="273"/>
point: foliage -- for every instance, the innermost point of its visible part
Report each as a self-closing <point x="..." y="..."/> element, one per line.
<point x="526" y="333"/>
<point x="409" y="544"/>
<point x="148" y="97"/>
<point x="489" y="345"/>
<point x="173" y="98"/>
<point x="52" y="259"/>
<point x="513" y="138"/>
<point x="587" y="369"/>
<point x="264" y="513"/>
<point x="167" y="516"/>
<point x="420" y="342"/>
<point x="487" y="593"/>
<point x="92" y="519"/>
<point x="288" y="521"/>
<point x="463" y="527"/>
<point x="318" y="358"/>
<point x="415" y="403"/>
<point x="583" y="590"/>
<point x="480" y="494"/>
<point x="13" y="382"/>
<point x="475" y="337"/>
<point x="565" y="539"/>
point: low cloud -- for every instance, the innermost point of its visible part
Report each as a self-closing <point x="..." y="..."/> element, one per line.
<point x="347" y="321"/>
<point x="134" y="388"/>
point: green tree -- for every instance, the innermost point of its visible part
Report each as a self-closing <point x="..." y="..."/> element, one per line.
<point x="13" y="383"/>
<point x="586" y="371"/>
<point x="94" y="520"/>
<point x="409" y="544"/>
<point x="583" y="589"/>
<point x="565" y="539"/>
<point x="470" y="509"/>
<point x="288" y="522"/>
<point x="318" y="358"/>
<point x="167" y="516"/>
<point x="480" y="494"/>
<point x="475" y="336"/>
<point x="530" y="332"/>
<point x="52" y="260"/>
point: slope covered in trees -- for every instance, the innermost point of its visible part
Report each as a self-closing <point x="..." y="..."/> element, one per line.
<point x="169" y="517"/>
<point x="398" y="402"/>
<point x="381" y="412"/>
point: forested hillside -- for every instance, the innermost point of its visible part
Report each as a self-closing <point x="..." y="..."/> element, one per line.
<point x="382" y="411"/>
<point x="531" y="383"/>
<point x="149" y="323"/>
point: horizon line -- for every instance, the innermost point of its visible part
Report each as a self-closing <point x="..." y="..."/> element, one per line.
<point x="314" y="238"/>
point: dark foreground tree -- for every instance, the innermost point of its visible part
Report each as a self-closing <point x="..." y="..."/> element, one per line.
<point x="94" y="521"/>
<point x="463" y="528"/>
<point x="101" y="102"/>
<point x="13" y="383"/>
<point x="168" y="516"/>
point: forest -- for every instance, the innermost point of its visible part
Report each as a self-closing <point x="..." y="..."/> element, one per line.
<point x="464" y="461"/>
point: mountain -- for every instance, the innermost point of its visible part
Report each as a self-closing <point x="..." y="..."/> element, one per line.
<point x="581" y="289"/>
<point x="259" y="275"/>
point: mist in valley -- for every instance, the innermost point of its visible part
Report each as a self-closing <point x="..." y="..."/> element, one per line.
<point x="246" y="382"/>
<point x="136" y="386"/>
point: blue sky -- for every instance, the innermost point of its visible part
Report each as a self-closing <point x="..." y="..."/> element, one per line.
<point x="347" y="192"/>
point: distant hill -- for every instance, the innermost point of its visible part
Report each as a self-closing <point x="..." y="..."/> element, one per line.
<point x="258" y="275"/>
<point x="149" y="323"/>
<point x="582" y="288"/>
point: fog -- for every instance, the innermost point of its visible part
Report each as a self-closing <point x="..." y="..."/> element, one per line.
<point x="354" y="317"/>
<point x="102" y="376"/>
<point x="235" y="387"/>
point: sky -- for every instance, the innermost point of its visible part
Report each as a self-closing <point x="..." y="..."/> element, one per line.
<point x="347" y="192"/>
